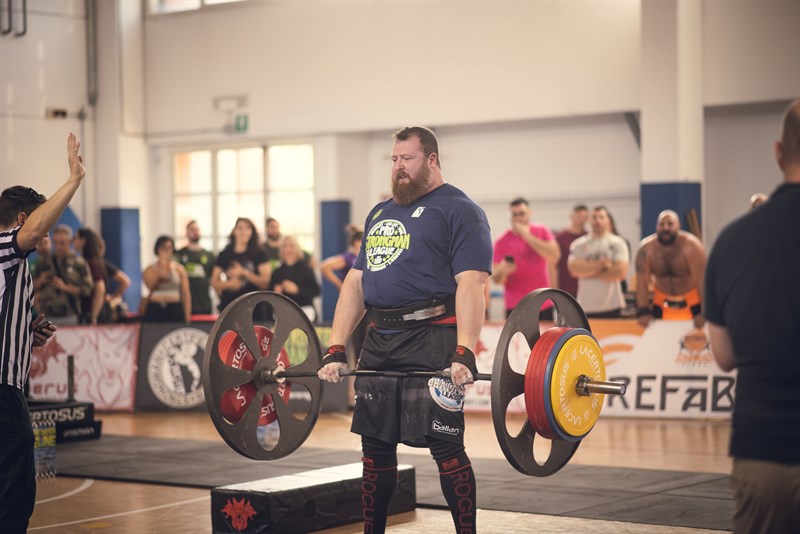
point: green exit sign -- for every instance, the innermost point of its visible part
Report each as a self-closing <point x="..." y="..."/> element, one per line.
<point x="240" y="124"/>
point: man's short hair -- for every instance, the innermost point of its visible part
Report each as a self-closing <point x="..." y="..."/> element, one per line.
<point x="62" y="229"/>
<point x="580" y="207"/>
<point x="18" y="199"/>
<point x="519" y="201"/>
<point x="426" y="138"/>
<point x="790" y="133"/>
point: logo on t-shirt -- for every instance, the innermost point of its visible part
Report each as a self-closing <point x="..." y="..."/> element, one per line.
<point x="385" y="242"/>
<point x="418" y="211"/>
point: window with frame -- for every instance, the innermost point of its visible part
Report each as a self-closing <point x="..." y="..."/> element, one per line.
<point x="157" y="7"/>
<point x="217" y="186"/>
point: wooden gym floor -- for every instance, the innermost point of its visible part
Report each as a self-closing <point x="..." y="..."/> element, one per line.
<point x="71" y="505"/>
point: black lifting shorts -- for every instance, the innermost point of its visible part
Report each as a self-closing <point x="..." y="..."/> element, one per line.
<point x="405" y="410"/>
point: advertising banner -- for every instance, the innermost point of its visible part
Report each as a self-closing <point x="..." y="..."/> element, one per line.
<point x="668" y="369"/>
<point x="105" y="366"/>
<point x="170" y="366"/>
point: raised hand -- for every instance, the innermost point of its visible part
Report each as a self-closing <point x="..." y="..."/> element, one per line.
<point x="76" y="169"/>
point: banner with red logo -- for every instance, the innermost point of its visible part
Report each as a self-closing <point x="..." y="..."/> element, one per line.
<point x="668" y="368"/>
<point x="105" y="366"/>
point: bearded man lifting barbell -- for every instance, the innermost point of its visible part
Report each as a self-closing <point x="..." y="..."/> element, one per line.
<point x="420" y="278"/>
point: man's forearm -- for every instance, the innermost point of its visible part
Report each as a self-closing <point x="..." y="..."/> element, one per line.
<point x="546" y="249"/>
<point x="470" y="307"/>
<point x="349" y="309"/>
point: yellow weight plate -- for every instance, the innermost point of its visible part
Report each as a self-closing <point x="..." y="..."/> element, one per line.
<point x="576" y="414"/>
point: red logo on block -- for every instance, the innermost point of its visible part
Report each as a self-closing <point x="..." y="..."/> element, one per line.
<point x="239" y="512"/>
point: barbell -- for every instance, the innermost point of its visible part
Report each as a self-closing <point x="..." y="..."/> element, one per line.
<point x="248" y="379"/>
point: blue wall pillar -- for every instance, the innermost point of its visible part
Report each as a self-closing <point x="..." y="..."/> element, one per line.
<point x="334" y="221"/>
<point x="120" y="231"/>
<point x="681" y="197"/>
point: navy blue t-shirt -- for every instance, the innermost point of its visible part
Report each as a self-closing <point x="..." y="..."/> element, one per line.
<point x="412" y="253"/>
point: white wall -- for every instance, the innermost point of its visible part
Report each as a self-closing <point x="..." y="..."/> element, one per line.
<point x="751" y="51"/>
<point x="320" y="67"/>
<point x="740" y="161"/>
<point x="46" y="68"/>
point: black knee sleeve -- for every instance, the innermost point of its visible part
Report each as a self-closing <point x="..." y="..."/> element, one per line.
<point x="378" y="482"/>
<point x="458" y="482"/>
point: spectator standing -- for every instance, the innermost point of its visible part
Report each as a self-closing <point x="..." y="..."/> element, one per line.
<point x="757" y="199"/>
<point x="521" y="258"/>
<point x="752" y="304"/>
<point x="294" y="278"/>
<point x="675" y="261"/>
<point x="599" y="261"/>
<point x="242" y="266"/>
<point x="272" y="244"/>
<point x="90" y="246"/>
<point x="63" y="280"/>
<point x="114" y="309"/>
<point x="624" y="282"/>
<point x="170" y="299"/>
<point x="199" y="265"/>
<point x="43" y="251"/>
<point x="25" y="218"/>
<point x="560" y="276"/>
<point x="335" y="268"/>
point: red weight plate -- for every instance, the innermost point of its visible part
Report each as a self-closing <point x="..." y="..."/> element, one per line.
<point x="555" y="335"/>
<point x="537" y="359"/>
<point x="234" y="353"/>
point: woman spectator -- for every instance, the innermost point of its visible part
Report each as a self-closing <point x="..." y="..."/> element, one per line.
<point x="114" y="308"/>
<point x="294" y="278"/>
<point x="166" y="280"/>
<point x="335" y="268"/>
<point x="242" y="266"/>
<point x="89" y="245"/>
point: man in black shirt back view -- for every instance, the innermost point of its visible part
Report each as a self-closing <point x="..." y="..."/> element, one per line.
<point x="752" y="305"/>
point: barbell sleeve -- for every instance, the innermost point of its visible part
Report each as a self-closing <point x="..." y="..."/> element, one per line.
<point x="586" y="386"/>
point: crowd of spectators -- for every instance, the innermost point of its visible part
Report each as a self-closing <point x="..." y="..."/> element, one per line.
<point x="589" y="259"/>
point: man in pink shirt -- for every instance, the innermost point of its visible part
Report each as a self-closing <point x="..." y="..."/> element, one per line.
<point x="522" y="257"/>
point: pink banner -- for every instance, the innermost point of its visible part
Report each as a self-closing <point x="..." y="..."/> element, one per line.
<point x="105" y="366"/>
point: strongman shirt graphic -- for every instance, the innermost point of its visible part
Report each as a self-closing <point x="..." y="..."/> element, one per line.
<point x="412" y="253"/>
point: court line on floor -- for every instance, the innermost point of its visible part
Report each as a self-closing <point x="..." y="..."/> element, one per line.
<point x="87" y="483"/>
<point x="98" y="518"/>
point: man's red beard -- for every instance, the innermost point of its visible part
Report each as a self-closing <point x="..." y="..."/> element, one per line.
<point x="405" y="194"/>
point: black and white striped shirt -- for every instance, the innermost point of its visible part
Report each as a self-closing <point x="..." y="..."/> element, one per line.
<point x="16" y="301"/>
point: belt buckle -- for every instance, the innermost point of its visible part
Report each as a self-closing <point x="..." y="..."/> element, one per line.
<point x="426" y="313"/>
<point x="675" y="304"/>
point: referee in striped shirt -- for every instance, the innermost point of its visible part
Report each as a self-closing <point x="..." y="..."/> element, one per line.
<point x="25" y="218"/>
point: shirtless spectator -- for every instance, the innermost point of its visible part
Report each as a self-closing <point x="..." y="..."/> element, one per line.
<point x="675" y="261"/>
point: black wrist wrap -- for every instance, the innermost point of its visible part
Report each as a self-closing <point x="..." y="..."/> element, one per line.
<point x="466" y="357"/>
<point x="335" y="353"/>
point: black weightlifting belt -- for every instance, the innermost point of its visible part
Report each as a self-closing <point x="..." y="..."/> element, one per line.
<point x="415" y="315"/>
